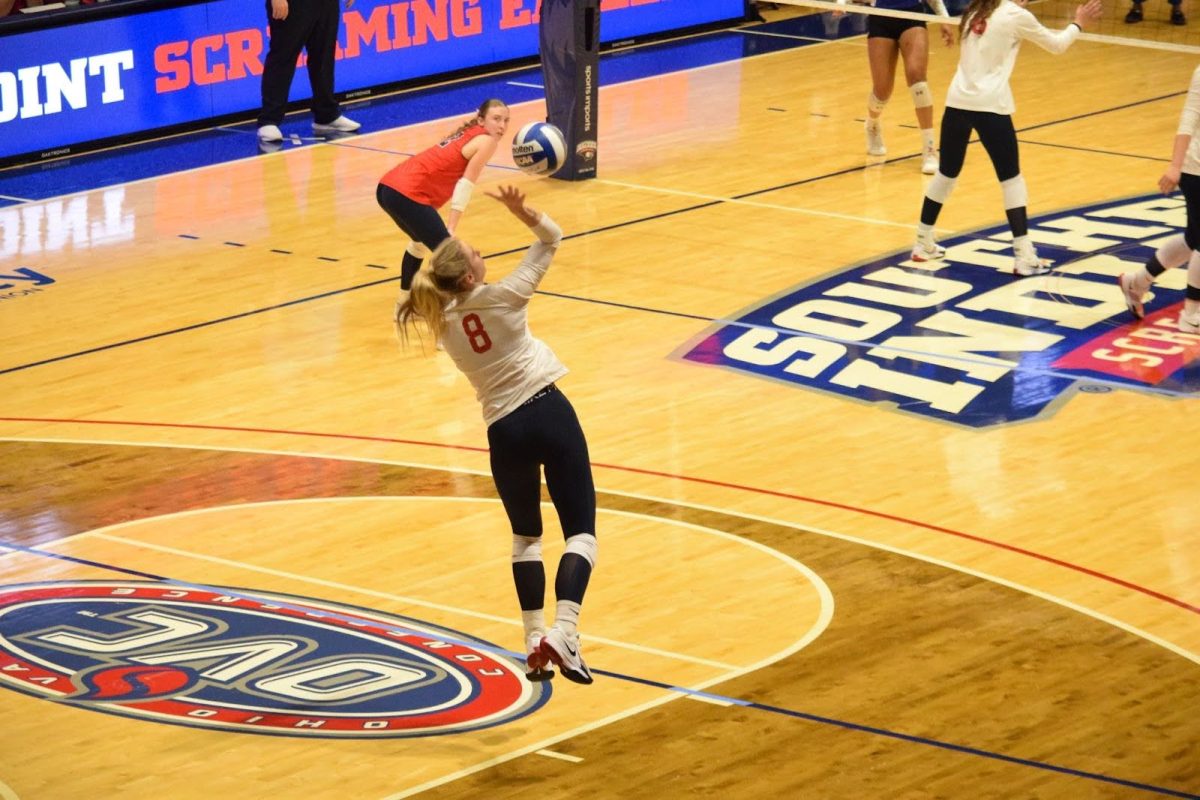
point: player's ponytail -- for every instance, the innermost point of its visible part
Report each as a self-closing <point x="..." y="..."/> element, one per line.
<point x="484" y="107"/>
<point x="434" y="285"/>
<point x="977" y="11"/>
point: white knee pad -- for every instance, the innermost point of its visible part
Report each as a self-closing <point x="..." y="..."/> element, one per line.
<point x="940" y="187"/>
<point x="1174" y="252"/>
<point x="875" y="105"/>
<point x="922" y="97"/>
<point x="417" y="250"/>
<point x="582" y="544"/>
<point x="526" y="548"/>
<point x="1015" y="195"/>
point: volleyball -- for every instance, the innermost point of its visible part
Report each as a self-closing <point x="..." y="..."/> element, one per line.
<point x="539" y="148"/>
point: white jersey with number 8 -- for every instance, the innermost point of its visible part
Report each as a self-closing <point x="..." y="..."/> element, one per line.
<point x="487" y="332"/>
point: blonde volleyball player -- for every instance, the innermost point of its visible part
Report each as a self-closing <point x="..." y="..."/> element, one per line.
<point x="890" y="38"/>
<point x="412" y="192"/>
<point x="981" y="100"/>
<point x="1184" y="172"/>
<point x="531" y="424"/>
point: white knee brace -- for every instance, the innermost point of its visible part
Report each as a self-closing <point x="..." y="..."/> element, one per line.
<point x="922" y="97"/>
<point x="582" y="544"/>
<point x="417" y="250"/>
<point x="1174" y="252"/>
<point x="1015" y="195"/>
<point x="875" y="105"/>
<point x="940" y="187"/>
<point x="526" y="548"/>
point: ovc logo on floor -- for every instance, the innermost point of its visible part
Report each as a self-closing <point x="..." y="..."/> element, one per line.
<point x="963" y="340"/>
<point x="252" y="662"/>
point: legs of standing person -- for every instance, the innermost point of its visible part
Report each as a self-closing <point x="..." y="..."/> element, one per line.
<point x="422" y="223"/>
<point x="569" y="481"/>
<point x="517" y="476"/>
<point x="287" y="40"/>
<point x="882" y="53"/>
<point x="999" y="139"/>
<point x="914" y="51"/>
<point x="321" y="46"/>
<point x="1177" y="17"/>
<point x="956" y="133"/>
<point x="1174" y="252"/>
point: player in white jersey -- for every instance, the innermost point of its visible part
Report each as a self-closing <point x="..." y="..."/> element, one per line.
<point x="890" y="39"/>
<point x="1184" y="172"/>
<point x="981" y="100"/>
<point x="531" y="424"/>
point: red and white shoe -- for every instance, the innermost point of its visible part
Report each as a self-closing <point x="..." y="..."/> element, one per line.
<point x="1133" y="298"/>
<point x="927" y="250"/>
<point x="537" y="663"/>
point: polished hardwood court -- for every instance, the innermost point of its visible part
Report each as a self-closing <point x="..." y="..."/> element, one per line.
<point x="798" y="593"/>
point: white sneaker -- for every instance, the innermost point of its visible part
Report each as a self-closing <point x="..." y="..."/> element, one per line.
<point x="270" y="133"/>
<point x="563" y="650"/>
<point x="874" y="138"/>
<point x="1133" y="297"/>
<point x="1030" y="264"/>
<point x="929" y="162"/>
<point x="927" y="250"/>
<point x="537" y="662"/>
<point x="342" y="124"/>
<point x="1188" y="323"/>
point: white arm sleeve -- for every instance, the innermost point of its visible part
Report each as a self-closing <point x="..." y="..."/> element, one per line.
<point x="1190" y="117"/>
<point x="524" y="280"/>
<point x="462" y="194"/>
<point x="1051" y="41"/>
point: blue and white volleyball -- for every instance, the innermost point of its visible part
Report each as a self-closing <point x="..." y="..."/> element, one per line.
<point x="539" y="148"/>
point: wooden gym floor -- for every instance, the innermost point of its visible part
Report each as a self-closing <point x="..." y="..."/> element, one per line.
<point x="798" y="594"/>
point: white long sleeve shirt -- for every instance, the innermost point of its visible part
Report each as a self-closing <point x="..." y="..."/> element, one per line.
<point x="989" y="53"/>
<point x="487" y="332"/>
<point x="1189" y="122"/>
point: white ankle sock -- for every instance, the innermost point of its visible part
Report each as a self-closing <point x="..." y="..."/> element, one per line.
<point x="566" y="616"/>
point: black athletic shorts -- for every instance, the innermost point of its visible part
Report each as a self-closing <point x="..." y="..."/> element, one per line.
<point x="892" y="27"/>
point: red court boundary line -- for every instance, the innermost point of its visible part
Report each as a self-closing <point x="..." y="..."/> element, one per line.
<point x="639" y="471"/>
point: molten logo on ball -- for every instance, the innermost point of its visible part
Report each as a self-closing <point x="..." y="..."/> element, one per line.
<point x="539" y="148"/>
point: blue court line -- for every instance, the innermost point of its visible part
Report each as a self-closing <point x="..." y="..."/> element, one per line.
<point x="734" y="701"/>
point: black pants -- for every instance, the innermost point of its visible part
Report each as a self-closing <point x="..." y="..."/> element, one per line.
<point x="1190" y="186"/>
<point x="421" y="222"/>
<point x="547" y="433"/>
<point x="312" y="26"/>
<point x="996" y="134"/>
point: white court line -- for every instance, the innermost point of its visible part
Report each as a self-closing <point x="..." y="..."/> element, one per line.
<point x="559" y="756"/>
<point x="708" y="698"/>
<point x="526" y="85"/>
<point x="800" y="526"/>
<point x="772" y="206"/>
<point x="6" y="792"/>
<point x="669" y="695"/>
<point x="105" y="533"/>
<point x="18" y="199"/>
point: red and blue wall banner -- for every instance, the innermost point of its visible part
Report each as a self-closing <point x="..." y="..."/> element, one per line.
<point x="171" y="67"/>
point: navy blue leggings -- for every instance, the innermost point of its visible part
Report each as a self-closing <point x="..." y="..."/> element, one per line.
<point x="996" y="134"/>
<point x="545" y="432"/>
<point x="421" y="222"/>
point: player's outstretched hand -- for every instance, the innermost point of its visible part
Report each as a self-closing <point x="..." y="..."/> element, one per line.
<point x="1087" y="13"/>
<point x="514" y="200"/>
